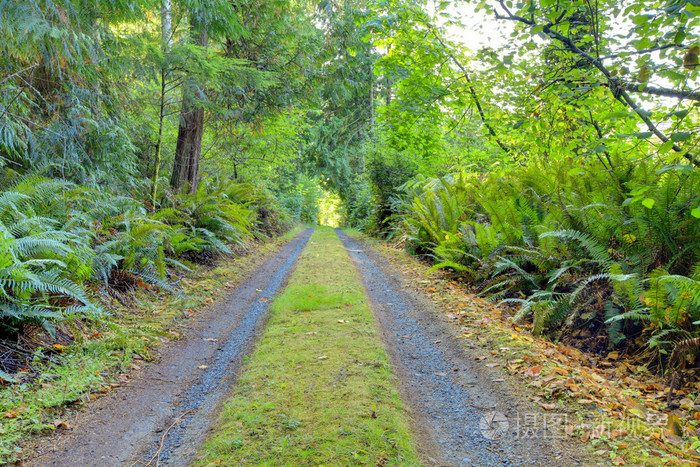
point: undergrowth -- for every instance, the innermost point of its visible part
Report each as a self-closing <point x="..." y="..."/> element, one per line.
<point x="97" y="355"/>
<point x="599" y="259"/>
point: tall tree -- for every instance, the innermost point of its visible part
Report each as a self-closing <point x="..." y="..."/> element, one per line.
<point x="189" y="138"/>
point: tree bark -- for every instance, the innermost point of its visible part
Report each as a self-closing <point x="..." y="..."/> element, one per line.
<point x="189" y="137"/>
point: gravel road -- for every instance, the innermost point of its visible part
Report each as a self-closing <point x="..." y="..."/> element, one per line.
<point x="168" y="407"/>
<point x="460" y="414"/>
<point x="454" y="404"/>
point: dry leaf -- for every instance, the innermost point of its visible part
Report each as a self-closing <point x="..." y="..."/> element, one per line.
<point x="549" y="406"/>
<point x="533" y="371"/>
<point x="60" y="424"/>
<point x="203" y="367"/>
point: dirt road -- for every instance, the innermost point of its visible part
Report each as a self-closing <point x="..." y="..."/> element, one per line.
<point x="166" y="409"/>
<point x="460" y="415"/>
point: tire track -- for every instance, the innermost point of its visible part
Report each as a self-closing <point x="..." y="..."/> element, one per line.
<point x="164" y="413"/>
<point x="454" y="407"/>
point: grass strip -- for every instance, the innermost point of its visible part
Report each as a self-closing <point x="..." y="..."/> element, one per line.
<point x="318" y="390"/>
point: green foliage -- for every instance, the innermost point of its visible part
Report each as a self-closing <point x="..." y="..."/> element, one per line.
<point x="568" y="246"/>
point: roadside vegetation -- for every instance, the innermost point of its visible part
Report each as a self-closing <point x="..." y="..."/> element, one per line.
<point x="318" y="389"/>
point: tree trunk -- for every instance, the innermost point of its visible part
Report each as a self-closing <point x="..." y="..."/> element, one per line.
<point x="189" y="147"/>
<point x="189" y="137"/>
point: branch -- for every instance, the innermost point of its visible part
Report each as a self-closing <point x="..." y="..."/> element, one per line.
<point x="664" y="92"/>
<point x="18" y="73"/>
<point x="618" y="91"/>
<point x="475" y="98"/>
<point x="645" y="51"/>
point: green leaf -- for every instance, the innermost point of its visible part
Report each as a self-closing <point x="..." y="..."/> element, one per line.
<point x="648" y="203"/>
<point x="643" y="134"/>
<point x="680" y="136"/>
<point x="695" y="213"/>
<point x="666" y="146"/>
<point x="680" y="114"/>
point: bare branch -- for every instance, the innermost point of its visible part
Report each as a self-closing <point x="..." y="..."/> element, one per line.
<point x="19" y="73"/>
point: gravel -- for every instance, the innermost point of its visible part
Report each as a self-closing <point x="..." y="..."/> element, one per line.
<point x="455" y="405"/>
<point x="167" y="409"/>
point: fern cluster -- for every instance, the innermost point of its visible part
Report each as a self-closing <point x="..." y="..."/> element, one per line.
<point x="56" y="236"/>
<point x="572" y="246"/>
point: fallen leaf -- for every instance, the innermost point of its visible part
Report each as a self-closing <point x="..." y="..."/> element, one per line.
<point x="95" y="336"/>
<point x="59" y="347"/>
<point x="618" y="461"/>
<point x="598" y="432"/>
<point x="323" y="357"/>
<point x="211" y="339"/>
<point x="549" y="406"/>
<point x="343" y="321"/>
<point x="492" y="365"/>
<point x="686" y="404"/>
<point x="60" y="424"/>
<point x="203" y="367"/>
<point x="441" y="374"/>
<point x="533" y="371"/>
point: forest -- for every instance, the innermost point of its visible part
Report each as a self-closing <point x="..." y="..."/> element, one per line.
<point x="552" y="169"/>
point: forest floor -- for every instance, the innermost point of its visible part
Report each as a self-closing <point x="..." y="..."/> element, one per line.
<point x="473" y="389"/>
